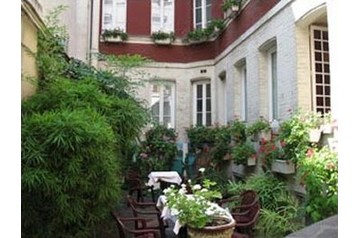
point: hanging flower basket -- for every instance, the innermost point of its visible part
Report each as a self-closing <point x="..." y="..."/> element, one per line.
<point x="283" y="166"/>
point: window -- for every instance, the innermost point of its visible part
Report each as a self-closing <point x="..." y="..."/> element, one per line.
<point x="202" y="13"/>
<point x="202" y="103"/>
<point x="162" y="103"/>
<point x="243" y="87"/>
<point x="114" y="14"/>
<point x="321" y="82"/>
<point x="272" y="83"/>
<point x="163" y="15"/>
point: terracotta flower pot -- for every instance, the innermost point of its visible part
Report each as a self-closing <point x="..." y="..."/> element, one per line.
<point x="218" y="231"/>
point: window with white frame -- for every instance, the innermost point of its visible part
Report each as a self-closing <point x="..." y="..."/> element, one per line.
<point x="202" y="13"/>
<point x="243" y="90"/>
<point x="114" y="14"/>
<point x="202" y="103"/>
<point x="162" y="103"/>
<point x="321" y="80"/>
<point x="272" y="83"/>
<point x="162" y="15"/>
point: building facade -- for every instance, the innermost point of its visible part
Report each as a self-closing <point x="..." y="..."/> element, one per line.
<point x="271" y="57"/>
<point x="31" y="23"/>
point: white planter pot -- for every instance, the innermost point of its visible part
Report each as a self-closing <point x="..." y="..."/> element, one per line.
<point x="234" y="8"/>
<point x="315" y="135"/>
<point x="163" y="41"/>
<point x="113" y="39"/>
<point x="283" y="166"/>
<point x="251" y="161"/>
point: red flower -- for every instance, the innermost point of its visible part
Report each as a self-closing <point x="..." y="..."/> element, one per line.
<point x="283" y="143"/>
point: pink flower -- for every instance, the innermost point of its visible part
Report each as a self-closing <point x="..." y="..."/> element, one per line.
<point x="309" y="153"/>
<point x="143" y="155"/>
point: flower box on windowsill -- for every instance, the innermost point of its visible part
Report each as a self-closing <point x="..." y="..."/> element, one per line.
<point x="283" y="166"/>
<point x="113" y="39"/>
<point x="195" y="42"/>
<point x="163" y="41"/>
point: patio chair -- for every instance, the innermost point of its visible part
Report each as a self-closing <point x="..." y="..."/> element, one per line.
<point x="150" y="212"/>
<point x="245" y="221"/>
<point x="136" y="186"/>
<point x="125" y="227"/>
<point x="241" y="202"/>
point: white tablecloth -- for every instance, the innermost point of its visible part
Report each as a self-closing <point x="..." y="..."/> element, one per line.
<point x="165" y="176"/>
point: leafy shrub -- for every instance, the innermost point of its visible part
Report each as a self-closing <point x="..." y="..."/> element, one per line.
<point x="69" y="172"/>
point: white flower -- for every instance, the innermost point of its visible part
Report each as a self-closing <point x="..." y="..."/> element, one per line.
<point x="196" y="187"/>
<point x="174" y="211"/>
<point x="182" y="191"/>
<point x="204" y="190"/>
<point x="202" y="170"/>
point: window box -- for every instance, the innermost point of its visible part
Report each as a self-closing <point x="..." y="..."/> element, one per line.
<point x="283" y="166"/>
<point x="115" y="35"/>
<point x="163" y="41"/>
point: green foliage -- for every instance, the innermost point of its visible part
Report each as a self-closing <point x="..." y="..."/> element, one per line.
<point x="114" y="33"/>
<point x="279" y="207"/>
<point x="161" y="35"/>
<point x="238" y="131"/>
<point x="192" y="210"/>
<point x="158" y="150"/>
<point x="77" y="131"/>
<point x="69" y="172"/>
<point x="259" y="125"/>
<point x="242" y="151"/>
<point x="319" y="173"/>
<point x="229" y="3"/>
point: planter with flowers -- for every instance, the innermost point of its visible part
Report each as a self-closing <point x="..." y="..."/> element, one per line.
<point x="261" y="129"/>
<point x="163" y="38"/>
<point x="318" y="173"/>
<point x="244" y="153"/>
<point x="158" y="151"/>
<point x="114" y="35"/>
<point x="231" y="7"/>
<point x="194" y="207"/>
<point x="273" y="157"/>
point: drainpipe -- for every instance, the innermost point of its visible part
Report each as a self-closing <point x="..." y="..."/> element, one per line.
<point x="90" y="33"/>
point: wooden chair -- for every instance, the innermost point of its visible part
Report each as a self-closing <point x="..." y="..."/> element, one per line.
<point x="125" y="227"/>
<point x="150" y="212"/>
<point x="245" y="209"/>
<point x="241" y="202"/>
<point x="245" y="221"/>
<point x="136" y="186"/>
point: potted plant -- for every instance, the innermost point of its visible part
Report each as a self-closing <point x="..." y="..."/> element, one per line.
<point x="244" y="153"/>
<point x="273" y="157"/>
<point x="114" y="35"/>
<point x="215" y="27"/>
<point x="231" y="5"/>
<point x="260" y="129"/>
<point x="197" y="36"/>
<point x="194" y="207"/>
<point x="163" y="38"/>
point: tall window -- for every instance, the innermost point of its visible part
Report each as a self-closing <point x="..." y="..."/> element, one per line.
<point x="272" y="83"/>
<point x="321" y="82"/>
<point x="163" y="15"/>
<point x="114" y="14"/>
<point x="202" y="13"/>
<point x="162" y="103"/>
<point x="202" y="103"/>
<point x="243" y="87"/>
